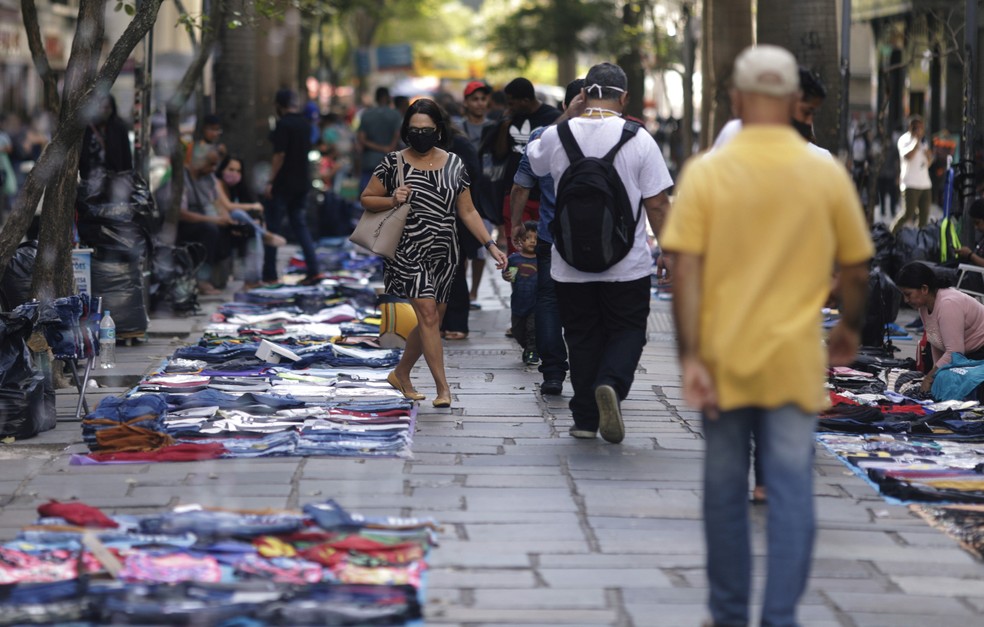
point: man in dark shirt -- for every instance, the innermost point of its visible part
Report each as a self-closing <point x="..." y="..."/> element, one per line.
<point x="290" y="183"/>
<point x="379" y="134"/>
<point x="525" y="114"/>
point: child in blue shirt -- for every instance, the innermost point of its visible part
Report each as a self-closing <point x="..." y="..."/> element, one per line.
<point x="521" y="272"/>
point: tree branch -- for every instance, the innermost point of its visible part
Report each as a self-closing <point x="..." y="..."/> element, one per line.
<point x="39" y="56"/>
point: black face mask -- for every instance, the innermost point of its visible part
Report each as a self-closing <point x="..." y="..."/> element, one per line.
<point x="423" y="142"/>
<point x="806" y="130"/>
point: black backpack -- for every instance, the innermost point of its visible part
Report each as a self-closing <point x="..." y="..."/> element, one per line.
<point x="594" y="224"/>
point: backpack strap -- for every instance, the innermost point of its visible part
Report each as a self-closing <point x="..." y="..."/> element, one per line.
<point x="573" y="151"/>
<point x="629" y="131"/>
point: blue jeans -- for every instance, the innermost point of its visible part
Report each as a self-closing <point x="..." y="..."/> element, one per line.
<point x="549" y="335"/>
<point x="785" y="443"/>
<point x="293" y="205"/>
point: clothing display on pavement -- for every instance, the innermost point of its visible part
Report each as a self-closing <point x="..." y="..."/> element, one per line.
<point x="911" y="448"/>
<point x="205" y="566"/>
<point x="282" y="371"/>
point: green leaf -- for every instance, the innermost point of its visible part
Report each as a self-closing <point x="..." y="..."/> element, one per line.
<point x="130" y="10"/>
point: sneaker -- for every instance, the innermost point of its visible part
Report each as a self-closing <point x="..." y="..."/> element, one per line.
<point x="582" y="434"/>
<point x="609" y="414"/>
<point x="530" y="358"/>
<point x="474" y="306"/>
<point x="552" y="387"/>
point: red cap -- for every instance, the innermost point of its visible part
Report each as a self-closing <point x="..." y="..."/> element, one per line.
<point x="474" y="86"/>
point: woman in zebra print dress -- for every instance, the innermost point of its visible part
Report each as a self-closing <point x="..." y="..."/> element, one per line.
<point x="437" y="186"/>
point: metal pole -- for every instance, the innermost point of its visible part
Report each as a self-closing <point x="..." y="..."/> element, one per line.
<point x="969" y="113"/>
<point x="845" y="70"/>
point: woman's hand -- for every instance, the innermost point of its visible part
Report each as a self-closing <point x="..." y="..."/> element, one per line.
<point x="927" y="382"/>
<point x="401" y="195"/>
<point x="499" y="256"/>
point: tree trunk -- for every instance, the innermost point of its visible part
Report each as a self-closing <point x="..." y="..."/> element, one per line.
<point x="173" y="112"/>
<point x="60" y="157"/>
<point x="772" y="23"/>
<point x="727" y="31"/>
<point x="235" y="85"/>
<point x="814" y="41"/>
<point x="689" y="59"/>
<point x="631" y="60"/>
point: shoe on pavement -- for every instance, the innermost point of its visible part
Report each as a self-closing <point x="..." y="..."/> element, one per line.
<point x="609" y="414"/>
<point x="582" y="434"/>
<point x="552" y="387"/>
<point x="915" y="324"/>
<point x="530" y="358"/>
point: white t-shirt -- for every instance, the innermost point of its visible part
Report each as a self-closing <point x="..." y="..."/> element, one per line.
<point x="639" y="164"/>
<point x="729" y="130"/>
<point x="915" y="171"/>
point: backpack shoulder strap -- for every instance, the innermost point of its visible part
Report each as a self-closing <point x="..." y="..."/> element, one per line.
<point x="573" y="151"/>
<point x="629" y="131"/>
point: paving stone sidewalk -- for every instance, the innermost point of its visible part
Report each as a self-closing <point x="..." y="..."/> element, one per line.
<point x="540" y="528"/>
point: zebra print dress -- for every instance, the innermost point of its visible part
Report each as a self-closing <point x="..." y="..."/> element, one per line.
<point x="427" y="255"/>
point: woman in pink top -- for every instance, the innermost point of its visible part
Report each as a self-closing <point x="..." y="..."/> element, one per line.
<point x="953" y="320"/>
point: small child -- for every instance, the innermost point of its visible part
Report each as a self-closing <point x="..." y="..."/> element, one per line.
<point x="521" y="272"/>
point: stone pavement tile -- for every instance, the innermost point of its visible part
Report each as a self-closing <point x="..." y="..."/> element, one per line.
<point x="826" y="586"/>
<point x="910" y="602"/>
<point x="628" y="559"/>
<point x="926" y="537"/>
<point x="839" y="568"/>
<point x="138" y="499"/>
<point x="480" y="578"/>
<point x="509" y="517"/>
<point x="477" y="470"/>
<point x="664" y="542"/>
<point x="432" y="481"/>
<point x="478" y="429"/>
<point x="87" y="491"/>
<point x="673" y="615"/>
<point x="854" y="538"/>
<point x="438" y="459"/>
<point x="634" y="502"/>
<point x="491" y="448"/>
<point x="887" y="618"/>
<point x="559" y="482"/>
<point x="505" y="616"/>
<point x="258" y="476"/>
<point x="884" y="554"/>
<point x="941" y="586"/>
<point x="977" y="603"/>
<point x="508" y="533"/>
<point x="543" y="598"/>
<point x="343" y="487"/>
<point x="496" y="499"/>
<point x="345" y="467"/>
<point x="625" y="577"/>
<point x="472" y="554"/>
<point x="507" y="459"/>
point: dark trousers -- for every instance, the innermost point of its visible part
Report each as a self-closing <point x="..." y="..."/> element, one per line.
<point x="293" y="206"/>
<point x="456" y="316"/>
<point x="549" y="335"/>
<point x="524" y="331"/>
<point x="605" y="328"/>
<point x="216" y="239"/>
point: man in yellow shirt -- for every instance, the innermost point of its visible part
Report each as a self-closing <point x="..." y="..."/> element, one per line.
<point x="756" y="229"/>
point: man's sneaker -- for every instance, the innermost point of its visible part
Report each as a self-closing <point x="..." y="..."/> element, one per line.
<point x="582" y="434"/>
<point x="609" y="414"/>
<point x="552" y="387"/>
<point x="530" y="358"/>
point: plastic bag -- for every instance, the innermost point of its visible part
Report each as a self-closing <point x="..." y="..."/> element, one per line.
<point x="15" y="285"/>
<point x="121" y="286"/>
<point x="173" y="276"/>
<point x="25" y="408"/>
<point x="884" y="300"/>
<point x="117" y="215"/>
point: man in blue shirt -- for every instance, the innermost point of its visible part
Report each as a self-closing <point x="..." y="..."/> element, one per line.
<point x="549" y="335"/>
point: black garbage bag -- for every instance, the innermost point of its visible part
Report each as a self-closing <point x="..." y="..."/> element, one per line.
<point x="117" y="216"/>
<point x="884" y="300"/>
<point x="335" y="215"/>
<point x="25" y="407"/>
<point x="121" y="285"/>
<point x="174" y="272"/>
<point x="15" y="285"/>
<point x="884" y="242"/>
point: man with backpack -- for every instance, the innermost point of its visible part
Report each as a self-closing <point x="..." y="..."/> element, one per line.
<point x="608" y="172"/>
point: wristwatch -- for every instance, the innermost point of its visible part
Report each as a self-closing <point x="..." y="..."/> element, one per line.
<point x="489" y="244"/>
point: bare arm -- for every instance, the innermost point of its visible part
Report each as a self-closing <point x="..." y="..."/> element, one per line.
<point x="224" y="204"/>
<point x="473" y="222"/>
<point x="375" y="198"/>
<point x="276" y="162"/>
<point x="656" y="209"/>
<point x="698" y="384"/>
<point x="845" y="337"/>
<point x="518" y="196"/>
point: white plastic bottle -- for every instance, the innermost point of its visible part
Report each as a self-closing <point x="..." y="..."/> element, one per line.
<point x="107" y="341"/>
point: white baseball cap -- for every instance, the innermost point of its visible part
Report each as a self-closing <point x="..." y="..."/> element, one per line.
<point x="766" y="69"/>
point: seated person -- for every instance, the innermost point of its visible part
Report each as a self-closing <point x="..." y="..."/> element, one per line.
<point x="974" y="255"/>
<point x="954" y="321"/>
<point x="202" y="219"/>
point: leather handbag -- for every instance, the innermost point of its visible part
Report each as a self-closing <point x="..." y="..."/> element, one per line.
<point x="380" y="231"/>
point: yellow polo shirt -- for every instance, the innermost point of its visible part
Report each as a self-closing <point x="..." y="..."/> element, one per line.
<point x="770" y="218"/>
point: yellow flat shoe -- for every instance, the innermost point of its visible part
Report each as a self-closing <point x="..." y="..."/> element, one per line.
<point x="410" y="394"/>
<point x="442" y="402"/>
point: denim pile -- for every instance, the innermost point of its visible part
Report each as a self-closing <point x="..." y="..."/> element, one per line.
<point x="197" y="566"/>
<point x="217" y="398"/>
<point x="910" y="448"/>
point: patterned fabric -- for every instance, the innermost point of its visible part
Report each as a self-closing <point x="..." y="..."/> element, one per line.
<point x="427" y="256"/>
